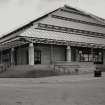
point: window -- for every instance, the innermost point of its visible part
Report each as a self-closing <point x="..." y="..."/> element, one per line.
<point x="6" y="57"/>
<point x="37" y="57"/>
<point x="98" y="57"/>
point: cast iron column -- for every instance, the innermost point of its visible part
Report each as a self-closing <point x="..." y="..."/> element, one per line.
<point x="68" y="50"/>
<point x="31" y="54"/>
<point x="12" y="56"/>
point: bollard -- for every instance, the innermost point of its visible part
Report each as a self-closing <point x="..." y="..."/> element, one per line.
<point x="97" y="73"/>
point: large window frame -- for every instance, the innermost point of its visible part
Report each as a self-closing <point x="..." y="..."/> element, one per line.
<point x="88" y="56"/>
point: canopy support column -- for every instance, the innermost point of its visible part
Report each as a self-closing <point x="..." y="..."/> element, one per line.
<point x="92" y="54"/>
<point x="51" y="54"/>
<point x="31" y="54"/>
<point x="12" y="56"/>
<point x="68" y="54"/>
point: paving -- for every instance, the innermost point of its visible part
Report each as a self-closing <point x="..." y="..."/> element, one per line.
<point x="58" y="90"/>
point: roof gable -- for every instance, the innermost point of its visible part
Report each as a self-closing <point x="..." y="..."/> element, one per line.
<point x="65" y="8"/>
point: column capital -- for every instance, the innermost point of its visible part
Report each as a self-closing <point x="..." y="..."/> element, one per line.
<point x="12" y="49"/>
<point x="31" y="44"/>
<point x="68" y="47"/>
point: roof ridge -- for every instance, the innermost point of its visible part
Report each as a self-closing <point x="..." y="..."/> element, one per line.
<point x="86" y="13"/>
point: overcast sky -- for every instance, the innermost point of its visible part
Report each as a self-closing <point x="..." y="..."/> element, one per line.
<point x="15" y="13"/>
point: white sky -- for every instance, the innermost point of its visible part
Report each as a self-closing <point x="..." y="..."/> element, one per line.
<point x="15" y="13"/>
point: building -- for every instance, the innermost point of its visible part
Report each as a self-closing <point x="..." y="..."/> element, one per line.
<point x="65" y="34"/>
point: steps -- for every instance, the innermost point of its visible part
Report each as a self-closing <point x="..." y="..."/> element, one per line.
<point x="74" y="67"/>
<point x="87" y="67"/>
<point x="27" y="71"/>
<point x="59" y="68"/>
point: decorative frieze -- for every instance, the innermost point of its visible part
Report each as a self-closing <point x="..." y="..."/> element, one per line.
<point x="66" y="43"/>
<point x="49" y="27"/>
<point x="12" y="43"/>
<point x="78" y="21"/>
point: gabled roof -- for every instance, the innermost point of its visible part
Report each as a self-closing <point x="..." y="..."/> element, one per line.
<point x="28" y="24"/>
<point x="45" y="15"/>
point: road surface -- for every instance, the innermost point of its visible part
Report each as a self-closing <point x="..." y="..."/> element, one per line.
<point x="61" y="90"/>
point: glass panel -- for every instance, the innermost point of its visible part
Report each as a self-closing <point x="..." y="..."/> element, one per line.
<point x="85" y="55"/>
<point x="98" y="57"/>
<point x="90" y="57"/>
